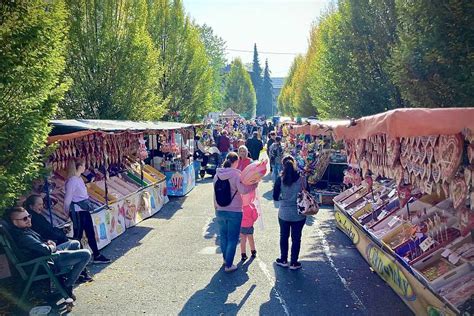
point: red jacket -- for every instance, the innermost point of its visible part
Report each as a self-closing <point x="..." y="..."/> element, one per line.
<point x="243" y="163"/>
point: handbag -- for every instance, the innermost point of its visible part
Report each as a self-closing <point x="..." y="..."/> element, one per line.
<point x="306" y="203"/>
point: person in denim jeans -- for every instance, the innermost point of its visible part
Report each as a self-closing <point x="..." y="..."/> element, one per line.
<point x="229" y="217"/>
<point x="30" y="246"/>
<point x="291" y="223"/>
<point x="276" y="154"/>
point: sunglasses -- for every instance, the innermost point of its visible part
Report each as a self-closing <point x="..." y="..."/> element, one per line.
<point x="27" y="217"/>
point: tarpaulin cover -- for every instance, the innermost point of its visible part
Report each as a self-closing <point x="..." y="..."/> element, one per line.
<point x="409" y="122"/>
<point x="229" y="113"/>
<point x="70" y="126"/>
<point x="60" y="138"/>
<point x="316" y="128"/>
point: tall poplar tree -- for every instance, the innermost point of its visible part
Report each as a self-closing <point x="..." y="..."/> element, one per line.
<point x="256" y="77"/>
<point x="186" y="82"/>
<point x="215" y="50"/>
<point x="266" y="92"/>
<point x="112" y="62"/>
<point x="32" y="60"/>
<point x="239" y="92"/>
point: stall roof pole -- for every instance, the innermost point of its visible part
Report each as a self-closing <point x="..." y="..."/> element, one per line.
<point x="48" y="200"/>
<point x="106" y="171"/>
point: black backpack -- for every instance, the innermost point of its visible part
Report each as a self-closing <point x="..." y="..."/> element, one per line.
<point x="222" y="192"/>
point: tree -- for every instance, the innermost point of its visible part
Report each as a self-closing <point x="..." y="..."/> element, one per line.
<point x="266" y="91"/>
<point x="286" y="102"/>
<point x="433" y="63"/>
<point x="215" y="50"/>
<point x="256" y="77"/>
<point x="239" y="92"/>
<point x="352" y="44"/>
<point x="112" y="62"/>
<point x="32" y="60"/>
<point x="186" y="82"/>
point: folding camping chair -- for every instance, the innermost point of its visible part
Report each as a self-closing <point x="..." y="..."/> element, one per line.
<point x="32" y="270"/>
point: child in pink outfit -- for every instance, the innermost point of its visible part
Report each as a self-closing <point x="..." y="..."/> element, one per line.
<point x="249" y="216"/>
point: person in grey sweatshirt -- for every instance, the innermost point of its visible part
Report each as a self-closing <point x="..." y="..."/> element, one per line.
<point x="229" y="216"/>
<point x="286" y="190"/>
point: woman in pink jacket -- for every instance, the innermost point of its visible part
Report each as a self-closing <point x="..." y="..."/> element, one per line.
<point x="229" y="216"/>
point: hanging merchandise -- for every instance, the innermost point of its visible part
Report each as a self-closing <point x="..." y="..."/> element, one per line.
<point x="418" y="215"/>
<point x="177" y="162"/>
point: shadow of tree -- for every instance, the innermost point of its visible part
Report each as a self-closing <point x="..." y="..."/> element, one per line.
<point x="211" y="300"/>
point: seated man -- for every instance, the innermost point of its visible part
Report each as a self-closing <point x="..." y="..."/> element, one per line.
<point x="30" y="246"/>
<point x="34" y="205"/>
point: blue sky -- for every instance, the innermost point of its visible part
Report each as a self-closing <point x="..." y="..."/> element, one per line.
<point x="275" y="25"/>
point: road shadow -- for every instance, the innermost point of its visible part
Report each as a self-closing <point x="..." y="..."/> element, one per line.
<point x="207" y="179"/>
<point x="212" y="232"/>
<point x="311" y="290"/>
<point x="40" y="295"/>
<point x="267" y="177"/>
<point x="211" y="300"/>
<point x="268" y="195"/>
<point x="169" y="209"/>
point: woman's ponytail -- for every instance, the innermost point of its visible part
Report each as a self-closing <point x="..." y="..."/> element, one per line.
<point x="230" y="159"/>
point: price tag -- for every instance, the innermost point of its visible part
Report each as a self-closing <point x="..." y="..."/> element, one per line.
<point x="382" y="215"/>
<point x="454" y="258"/>
<point x="426" y="244"/>
<point x="393" y="222"/>
<point x="392" y="193"/>
<point x="446" y="253"/>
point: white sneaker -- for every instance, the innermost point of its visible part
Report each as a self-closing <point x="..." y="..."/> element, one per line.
<point x="231" y="268"/>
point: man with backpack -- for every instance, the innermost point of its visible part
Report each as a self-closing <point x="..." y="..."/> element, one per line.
<point x="276" y="155"/>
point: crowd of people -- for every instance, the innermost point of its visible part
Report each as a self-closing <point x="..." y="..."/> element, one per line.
<point x="238" y="142"/>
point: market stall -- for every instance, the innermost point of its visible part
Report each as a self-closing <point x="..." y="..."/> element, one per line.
<point x="312" y="146"/>
<point x="229" y="114"/>
<point x="172" y="152"/>
<point x="124" y="190"/>
<point x="410" y="210"/>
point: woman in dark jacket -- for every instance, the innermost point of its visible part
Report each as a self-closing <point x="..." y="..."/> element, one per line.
<point x="286" y="191"/>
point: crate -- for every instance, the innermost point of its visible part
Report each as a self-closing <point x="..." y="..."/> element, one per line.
<point x="455" y="272"/>
<point x="391" y="235"/>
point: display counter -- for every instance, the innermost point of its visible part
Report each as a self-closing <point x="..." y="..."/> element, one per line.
<point x="111" y="222"/>
<point x="421" y="250"/>
<point x="180" y="183"/>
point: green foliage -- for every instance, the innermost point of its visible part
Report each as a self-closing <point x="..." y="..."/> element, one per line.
<point x="112" y="62"/>
<point x="32" y="60"/>
<point x="215" y="49"/>
<point x="433" y="61"/>
<point x="239" y="92"/>
<point x="266" y="93"/>
<point x="257" y="80"/>
<point x="187" y="80"/>
<point x="352" y="46"/>
<point x="367" y="57"/>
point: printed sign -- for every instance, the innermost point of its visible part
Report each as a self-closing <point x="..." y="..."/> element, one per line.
<point x="347" y="226"/>
<point x="100" y="228"/>
<point x="179" y="183"/>
<point x="390" y="272"/>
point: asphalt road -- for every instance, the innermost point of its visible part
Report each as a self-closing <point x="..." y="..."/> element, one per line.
<point x="170" y="265"/>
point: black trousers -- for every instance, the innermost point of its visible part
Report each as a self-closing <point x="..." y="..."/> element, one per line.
<point x="85" y="224"/>
<point x="295" y="229"/>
